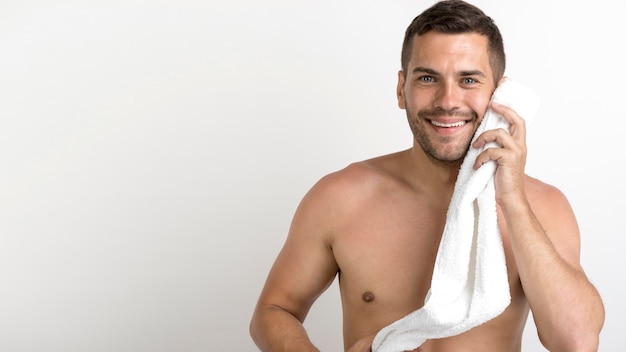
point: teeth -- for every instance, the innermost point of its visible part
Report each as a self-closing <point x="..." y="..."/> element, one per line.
<point x="456" y="124"/>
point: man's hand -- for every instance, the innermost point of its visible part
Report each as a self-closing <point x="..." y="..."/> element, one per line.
<point x="365" y="345"/>
<point x="511" y="157"/>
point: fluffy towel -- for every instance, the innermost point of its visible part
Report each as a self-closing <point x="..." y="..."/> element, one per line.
<point x="470" y="283"/>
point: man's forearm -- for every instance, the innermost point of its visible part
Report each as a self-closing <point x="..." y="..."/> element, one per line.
<point x="275" y="329"/>
<point x="568" y="310"/>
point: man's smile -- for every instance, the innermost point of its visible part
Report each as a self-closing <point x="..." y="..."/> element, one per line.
<point x="448" y="125"/>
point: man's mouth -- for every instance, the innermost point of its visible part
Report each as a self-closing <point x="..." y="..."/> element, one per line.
<point x="448" y="125"/>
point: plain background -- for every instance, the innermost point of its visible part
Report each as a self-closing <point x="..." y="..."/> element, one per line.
<point x="152" y="153"/>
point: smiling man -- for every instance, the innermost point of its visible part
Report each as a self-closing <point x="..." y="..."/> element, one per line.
<point x="440" y="64"/>
<point x="377" y="223"/>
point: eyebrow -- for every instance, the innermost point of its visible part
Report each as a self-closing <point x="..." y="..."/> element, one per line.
<point x="420" y="69"/>
<point x="472" y="73"/>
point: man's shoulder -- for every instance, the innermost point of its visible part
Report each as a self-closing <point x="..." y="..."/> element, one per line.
<point x="541" y="190"/>
<point x="369" y="173"/>
<point x="547" y="200"/>
<point x="356" y="181"/>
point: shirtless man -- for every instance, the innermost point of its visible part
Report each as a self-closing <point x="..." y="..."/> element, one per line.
<point x="377" y="223"/>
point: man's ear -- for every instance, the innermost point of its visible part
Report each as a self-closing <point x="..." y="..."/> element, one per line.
<point x="400" y="90"/>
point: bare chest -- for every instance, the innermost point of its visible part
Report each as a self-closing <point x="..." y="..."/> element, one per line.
<point x="386" y="258"/>
<point x="386" y="255"/>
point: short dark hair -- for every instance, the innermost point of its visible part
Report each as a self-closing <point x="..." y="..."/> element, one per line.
<point x="455" y="17"/>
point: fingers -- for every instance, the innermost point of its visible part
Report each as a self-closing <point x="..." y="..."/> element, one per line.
<point x="499" y="136"/>
<point x="510" y="152"/>
<point x="512" y="143"/>
<point x="517" y="123"/>
<point x="500" y="155"/>
<point x="363" y="345"/>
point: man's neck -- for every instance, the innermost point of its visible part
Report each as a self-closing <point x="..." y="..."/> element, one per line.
<point x="431" y="176"/>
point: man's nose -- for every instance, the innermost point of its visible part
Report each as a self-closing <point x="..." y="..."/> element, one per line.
<point x="448" y="96"/>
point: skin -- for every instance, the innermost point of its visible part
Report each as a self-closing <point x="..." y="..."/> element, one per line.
<point x="377" y="224"/>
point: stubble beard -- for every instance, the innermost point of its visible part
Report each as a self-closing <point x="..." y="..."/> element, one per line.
<point x="447" y="153"/>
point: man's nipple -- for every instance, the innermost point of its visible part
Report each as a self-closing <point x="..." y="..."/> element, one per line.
<point x="368" y="297"/>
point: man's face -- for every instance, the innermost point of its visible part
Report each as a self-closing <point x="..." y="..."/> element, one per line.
<point x="446" y="91"/>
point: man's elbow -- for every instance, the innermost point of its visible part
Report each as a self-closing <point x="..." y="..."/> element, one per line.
<point x="255" y="327"/>
<point x="583" y="340"/>
<point x="588" y="343"/>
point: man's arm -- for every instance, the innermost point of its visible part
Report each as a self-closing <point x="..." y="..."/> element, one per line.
<point x="304" y="268"/>
<point x="567" y="309"/>
<point x="545" y="239"/>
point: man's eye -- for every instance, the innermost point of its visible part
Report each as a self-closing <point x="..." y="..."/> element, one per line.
<point x="427" y="79"/>
<point x="469" y="80"/>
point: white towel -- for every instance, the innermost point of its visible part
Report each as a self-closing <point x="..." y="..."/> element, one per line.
<point x="470" y="283"/>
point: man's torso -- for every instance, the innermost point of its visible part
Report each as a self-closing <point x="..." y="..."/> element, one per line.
<point x="385" y="246"/>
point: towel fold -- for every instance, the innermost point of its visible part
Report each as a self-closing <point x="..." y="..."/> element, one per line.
<point x="470" y="282"/>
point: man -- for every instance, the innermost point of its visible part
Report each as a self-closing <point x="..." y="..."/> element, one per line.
<point x="378" y="223"/>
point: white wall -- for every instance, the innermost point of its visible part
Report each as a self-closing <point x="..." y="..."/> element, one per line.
<point x="152" y="153"/>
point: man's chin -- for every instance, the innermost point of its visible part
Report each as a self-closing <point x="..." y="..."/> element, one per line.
<point x="449" y="158"/>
